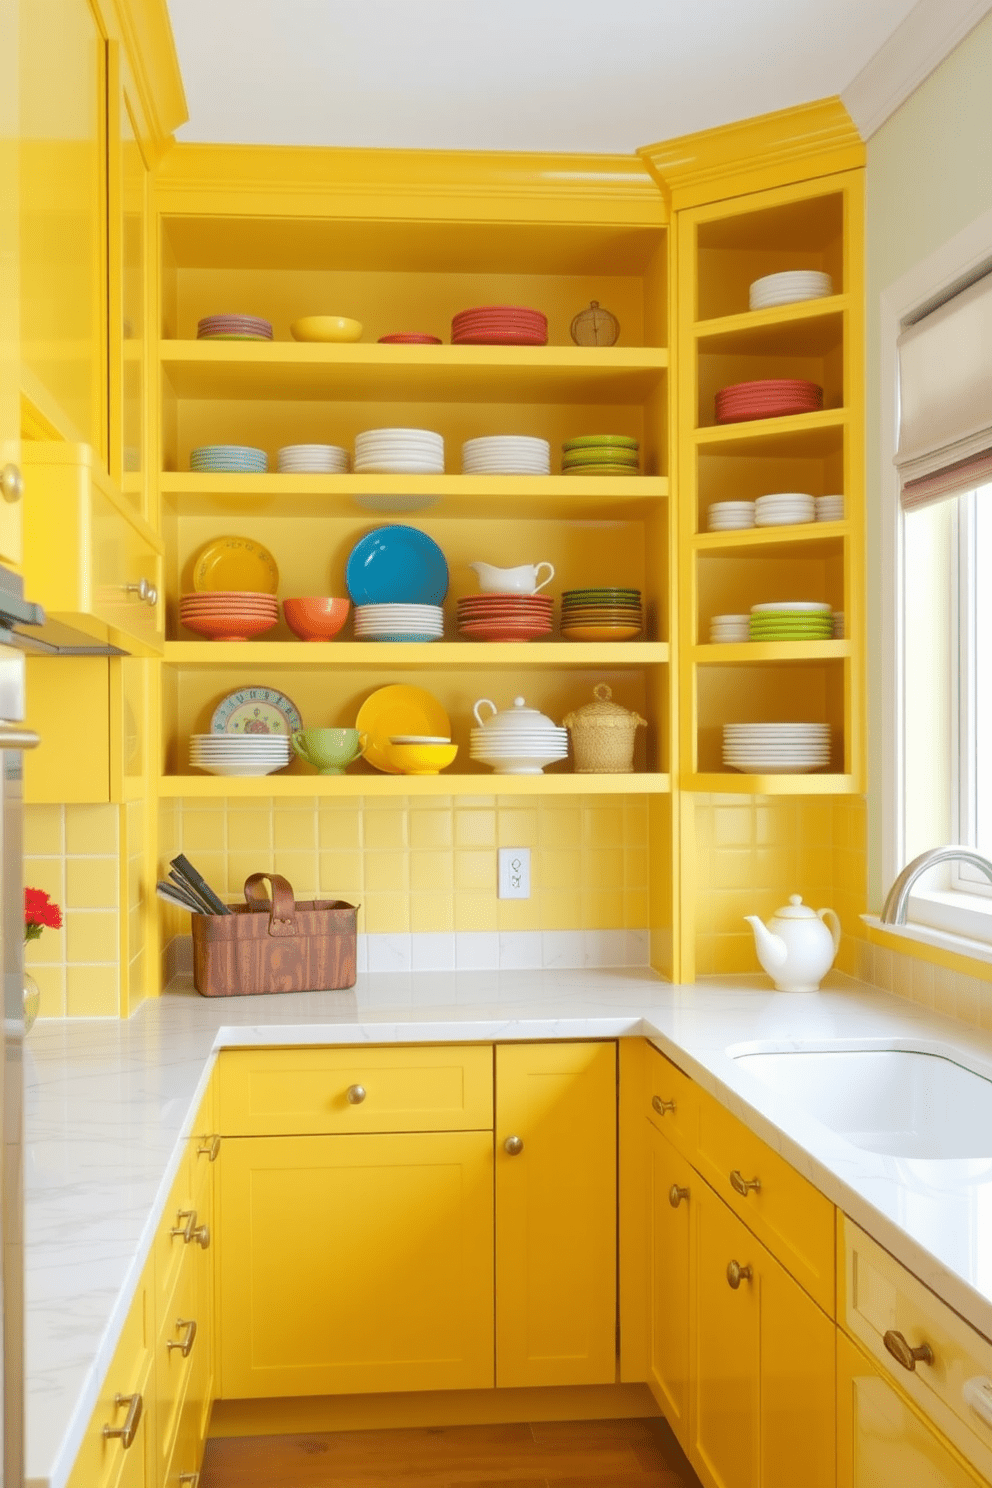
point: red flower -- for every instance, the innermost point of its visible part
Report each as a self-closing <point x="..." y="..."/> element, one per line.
<point x="39" y="911"/>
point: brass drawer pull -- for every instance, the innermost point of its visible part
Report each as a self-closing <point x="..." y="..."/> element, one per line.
<point x="191" y="1231"/>
<point x="736" y="1273"/>
<point x="661" y="1106"/>
<point x="126" y="1432"/>
<point x="11" y="483"/>
<point x="743" y="1185"/>
<point x="184" y="1345"/>
<point x="211" y="1149"/>
<point x="191" y="1478"/>
<point x="355" y="1094"/>
<point x="676" y="1195"/>
<point x="904" y="1353"/>
<point x="513" y="1146"/>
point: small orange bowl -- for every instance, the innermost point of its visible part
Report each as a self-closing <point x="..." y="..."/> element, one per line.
<point x="229" y="627"/>
<point x="316" y="619"/>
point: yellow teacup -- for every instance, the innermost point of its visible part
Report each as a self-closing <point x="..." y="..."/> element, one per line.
<point x="329" y="750"/>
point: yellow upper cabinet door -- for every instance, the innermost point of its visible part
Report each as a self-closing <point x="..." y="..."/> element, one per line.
<point x="10" y="449"/>
<point x="64" y="221"/>
<point x="555" y="1214"/>
<point x="673" y="1187"/>
<point x="350" y="1264"/>
<point x="128" y="222"/>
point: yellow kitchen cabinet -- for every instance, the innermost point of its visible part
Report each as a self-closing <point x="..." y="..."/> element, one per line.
<point x="556" y="1202"/>
<point x="125" y="1459"/>
<point x="355" y="1263"/>
<point x="93" y="716"/>
<point x="673" y="1187"/>
<point x="129" y="193"/>
<point x="762" y="1413"/>
<point x="10" y="448"/>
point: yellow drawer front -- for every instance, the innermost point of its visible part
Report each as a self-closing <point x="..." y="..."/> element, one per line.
<point x="793" y="1218"/>
<point x="879" y="1296"/>
<point x="673" y="1103"/>
<point x="170" y="1247"/>
<point x="187" y="1450"/>
<point x="177" y="1344"/>
<point x="103" y="1462"/>
<point x="299" y="1092"/>
<point x="204" y="1145"/>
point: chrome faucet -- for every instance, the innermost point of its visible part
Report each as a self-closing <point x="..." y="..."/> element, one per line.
<point x="894" y="908"/>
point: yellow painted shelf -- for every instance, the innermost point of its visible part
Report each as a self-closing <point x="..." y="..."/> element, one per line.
<point x="783" y="651"/>
<point x="730" y="782"/>
<point x="488" y="784"/>
<point x="819" y="429"/>
<point x="365" y="655"/>
<point x="274" y="370"/>
<point x="816" y="539"/>
<point x="806" y="329"/>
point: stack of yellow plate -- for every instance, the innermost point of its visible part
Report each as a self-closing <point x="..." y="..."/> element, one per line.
<point x="601" y="614"/>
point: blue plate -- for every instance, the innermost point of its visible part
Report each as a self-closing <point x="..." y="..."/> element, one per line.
<point x="396" y="565"/>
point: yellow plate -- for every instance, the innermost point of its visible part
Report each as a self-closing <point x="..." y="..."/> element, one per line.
<point x="398" y="710"/>
<point x="600" y="632"/>
<point x="235" y="563"/>
<point x="326" y="328"/>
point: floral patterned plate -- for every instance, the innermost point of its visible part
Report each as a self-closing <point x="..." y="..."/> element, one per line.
<point x="256" y="710"/>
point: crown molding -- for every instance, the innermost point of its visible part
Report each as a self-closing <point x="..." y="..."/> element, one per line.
<point x="915" y="49"/>
<point x="815" y="139"/>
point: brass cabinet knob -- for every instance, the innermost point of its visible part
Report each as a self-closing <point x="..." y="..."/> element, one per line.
<point x="184" y="1345"/>
<point x="192" y="1479"/>
<point x="355" y="1094"/>
<point x="126" y="1432"/>
<point x="736" y="1273"/>
<point x="513" y="1146"/>
<point x="202" y="1236"/>
<point x="146" y="592"/>
<point x="211" y="1148"/>
<point x="676" y="1195"/>
<point x="903" y="1352"/>
<point x="661" y="1106"/>
<point x="11" y="484"/>
<point x="743" y="1185"/>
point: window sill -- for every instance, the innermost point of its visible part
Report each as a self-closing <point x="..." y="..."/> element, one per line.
<point x="939" y="938"/>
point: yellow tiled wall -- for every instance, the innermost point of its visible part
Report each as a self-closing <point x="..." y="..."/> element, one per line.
<point x="953" y="993"/>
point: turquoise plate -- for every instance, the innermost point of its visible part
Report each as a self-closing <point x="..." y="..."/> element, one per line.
<point x="396" y="565"/>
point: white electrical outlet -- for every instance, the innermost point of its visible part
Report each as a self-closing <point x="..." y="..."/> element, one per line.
<point x="514" y="872"/>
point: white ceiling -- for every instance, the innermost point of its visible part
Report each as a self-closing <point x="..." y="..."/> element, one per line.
<point x="556" y="75"/>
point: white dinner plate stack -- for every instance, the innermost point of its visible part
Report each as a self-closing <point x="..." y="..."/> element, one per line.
<point x="725" y="630"/>
<point x="776" y="748"/>
<point x="399" y="622"/>
<point x="829" y="508"/>
<point x="240" y="754"/>
<point x="521" y="751"/>
<point x="784" y="509"/>
<point x="399" y="452"/>
<point x="729" y="516"/>
<point x="789" y="288"/>
<point x="313" y="459"/>
<point x="838" y="618"/>
<point x="506" y="454"/>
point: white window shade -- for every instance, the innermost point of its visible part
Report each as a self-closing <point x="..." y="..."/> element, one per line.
<point x="945" y="398"/>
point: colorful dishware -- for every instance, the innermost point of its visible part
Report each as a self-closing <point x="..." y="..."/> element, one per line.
<point x="315" y="619"/>
<point x="395" y="710"/>
<point x="396" y="565"/>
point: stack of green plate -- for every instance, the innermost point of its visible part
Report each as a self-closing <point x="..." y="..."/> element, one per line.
<point x="600" y="454"/>
<point x="792" y="620"/>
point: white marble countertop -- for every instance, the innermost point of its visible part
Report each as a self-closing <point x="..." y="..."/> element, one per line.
<point x="108" y="1105"/>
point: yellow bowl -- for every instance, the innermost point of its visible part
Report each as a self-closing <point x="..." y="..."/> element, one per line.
<point x="326" y="328"/>
<point x="420" y="759"/>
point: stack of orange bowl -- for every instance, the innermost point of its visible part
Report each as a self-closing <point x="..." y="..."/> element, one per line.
<point x="315" y="619"/>
<point x="229" y="614"/>
<point x="601" y="614"/>
<point x="505" y="617"/>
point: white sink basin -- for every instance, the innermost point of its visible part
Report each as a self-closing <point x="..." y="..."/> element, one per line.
<point x="896" y="1101"/>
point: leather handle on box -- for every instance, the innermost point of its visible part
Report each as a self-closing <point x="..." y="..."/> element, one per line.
<point x="282" y="917"/>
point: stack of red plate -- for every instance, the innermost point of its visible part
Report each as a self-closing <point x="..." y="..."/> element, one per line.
<point x="410" y="338"/>
<point x="499" y="325"/>
<point x="505" y="617"/>
<point x="229" y="615"/>
<point x="772" y="397"/>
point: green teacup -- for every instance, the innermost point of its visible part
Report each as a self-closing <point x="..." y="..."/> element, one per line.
<point x="329" y="750"/>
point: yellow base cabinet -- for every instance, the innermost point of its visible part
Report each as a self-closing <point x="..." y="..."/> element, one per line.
<point x="672" y="1186"/>
<point x="556" y="1214"/>
<point x="356" y="1263"/>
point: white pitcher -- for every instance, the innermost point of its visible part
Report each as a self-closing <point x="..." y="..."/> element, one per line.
<point x="521" y="580"/>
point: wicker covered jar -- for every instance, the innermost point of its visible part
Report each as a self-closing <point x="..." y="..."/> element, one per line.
<point x="603" y="735"/>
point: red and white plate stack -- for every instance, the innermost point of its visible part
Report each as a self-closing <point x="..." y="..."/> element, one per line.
<point x="233" y="328"/>
<point x="505" y="617"/>
<point x="771" y="397"/>
<point x="499" y="325"/>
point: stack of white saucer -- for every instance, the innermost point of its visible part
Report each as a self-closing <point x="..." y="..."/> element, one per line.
<point x="784" y="509"/>
<point x="313" y="459"/>
<point x="789" y="288"/>
<point x="399" y="622"/>
<point x="829" y="508"/>
<point x="727" y="629"/>
<point x="838" y="619"/>
<point x="399" y="452"/>
<point x="239" y="754"/>
<point x="776" y="748"/>
<point x="506" y="454"/>
<point x="728" y="516"/>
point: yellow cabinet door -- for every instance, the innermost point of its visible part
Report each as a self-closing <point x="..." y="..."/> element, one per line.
<point x="673" y="1188"/>
<point x="882" y="1442"/>
<point x="10" y="449"/>
<point x="555" y="1214"/>
<point x="358" y="1263"/>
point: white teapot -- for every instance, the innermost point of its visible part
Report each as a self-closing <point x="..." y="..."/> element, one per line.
<point x="798" y="945"/>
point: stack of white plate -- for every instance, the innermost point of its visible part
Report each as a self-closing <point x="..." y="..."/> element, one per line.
<point x="726" y="629"/>
<point x="784" y="509"/>
<point x="399" y="452"/>
<point x="522" y="752"/>
<point x="776" y="748"/>
<point x="829" y="508"/>
<point x="506" y="454"/>
<point x="838" y="618"/>
<point x="239" y="754"/>
<point x="313" y="459"/>
<point x="399" y="622"/>
<point x="727" y="516"/>
<point x="788" y="288"/>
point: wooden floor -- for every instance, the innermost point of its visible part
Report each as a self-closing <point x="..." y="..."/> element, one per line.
<point x="557" y="1454"/>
